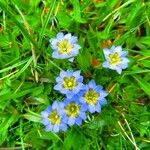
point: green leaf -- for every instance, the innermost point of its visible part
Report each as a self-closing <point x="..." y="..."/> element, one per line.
<point x="84" y="60"/>
<point x="12" y="16"/>
<point x="146" y="63"/>
<point x="34" y="91"/>
<point x="5" y="124"/>
<point x="76" y="11"/>
<point x="64" y="20"/>
<point x="74" y="137"/>
<point x="33" y="117"/>
<point x="143" y="84"/>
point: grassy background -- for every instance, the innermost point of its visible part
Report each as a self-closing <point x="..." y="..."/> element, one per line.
<point x="27" y="72"/>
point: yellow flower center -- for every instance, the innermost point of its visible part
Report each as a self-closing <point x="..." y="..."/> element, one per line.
<point x="69" y="83"/>
<point x="65" y="47"/>
<point x="73" y="109"/>
<point x="91" y="97"/>
<point x="54" y="117"/>
<point x="115" y="58"/>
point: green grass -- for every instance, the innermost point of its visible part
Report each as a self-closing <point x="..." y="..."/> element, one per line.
<point x="28" y="72"/>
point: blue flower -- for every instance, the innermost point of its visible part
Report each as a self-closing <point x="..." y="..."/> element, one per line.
<point x="64" y="46"/>
<point x="52" y="117"/>
<point x="69" y="83"/>
<point x="116" y="58"/>
<point x="75" y="111"/>
<point x="93" y="96"/>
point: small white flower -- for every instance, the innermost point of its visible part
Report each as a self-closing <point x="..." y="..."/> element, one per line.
<point x="115" y="59"/>
<point x="64" y="46"/>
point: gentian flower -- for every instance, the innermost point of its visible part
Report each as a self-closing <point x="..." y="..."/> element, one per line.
<point x="64" y="46"/>
<point x="116" y="59"/>
<point x="52" y="117"/>
<point x="93" y="96"/>
<point x="69" y="83"/>
<point x="75" y="111"/>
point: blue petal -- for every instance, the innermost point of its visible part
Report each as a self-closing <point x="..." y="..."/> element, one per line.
<point x="124" y="53"/>
<point x="119" y="70"/>
<point x="78" y="121"/>
<point x="61" y="111"/>
<point x="76" y="89"/>
<point x="74" y="39"/>
<point x="59" y="79"/>
<point x="92" y="108"/>
<point x="82" y="100"/>
<point x="103" y="94"/>
<point x="63" y="90"/>
<point x="66" y="101"/>
<point x="54" y="43"/>
<point x="81" y="92"/>
<point x="70" y="94"/>
<point x="98" y="108"/>
<point x="103" y="101"/>
<point x="113" y="67"/>
<point x="74" y="52"/>
<point x="65" y="119"/>
<point x="55" y="105"/>
<point x="125" y="60"/>
<point x="106" y="64"/>
<point x="82" y="115"/>
<point x="63" y="74"/>
<point x="44" y="114"/>
<point x="49" y="109"/>
<point x="67" y="36"/>
<point x="60" y="36"/>
<point x="75" y="99"/>
<point x="49" y="127"/>
<point x="92" y="84"/>
<point x="98" y="88"/>
<point x="77" y="73"/>
<point x="71" y="59"/>
<point x="45" y="121"/>
<point x="61" y="105"/>
<point x="69" y="73"/>
<point x="84" y="107"/>
<point x="106" y="52"/>
<point x="56" y="128"/>
<point x="118" y="49"/>
<point x="112" y="48"/>
<point x="58" y="87"/>
<point x="71" y="121"/>
<point x="124" y="63"/>
<point x="124" y="66"/>
<point x="80" y="79"/>
<point x="52" y="39"/>
<point x="76" y="47"/>
<point x="56" y="55"/>
<point x="63" y="127"/>
<point x="86" y="87"/>
<point x="80" y="86"/>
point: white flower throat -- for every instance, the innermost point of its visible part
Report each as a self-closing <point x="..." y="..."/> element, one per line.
<point x="64" y="47"/>
<point x="115" y="58"/>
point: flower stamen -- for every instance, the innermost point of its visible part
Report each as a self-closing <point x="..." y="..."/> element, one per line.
<point x="64" y="47"/>
<point x="69" y="83"/>
<point x="91" y="97"/>
<point x="115" y="58"/>
<point x="73" y="109"/>
<point x="54" y="117"/>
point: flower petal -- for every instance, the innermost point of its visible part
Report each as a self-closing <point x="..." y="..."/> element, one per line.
<point x="78" y="121"/>
<point x="91" y="108"/>
<point x="103" y="101"/>
<point x="71" y="121"/>
<point x="56" y="128"/>
<point x="60" y="36"/>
